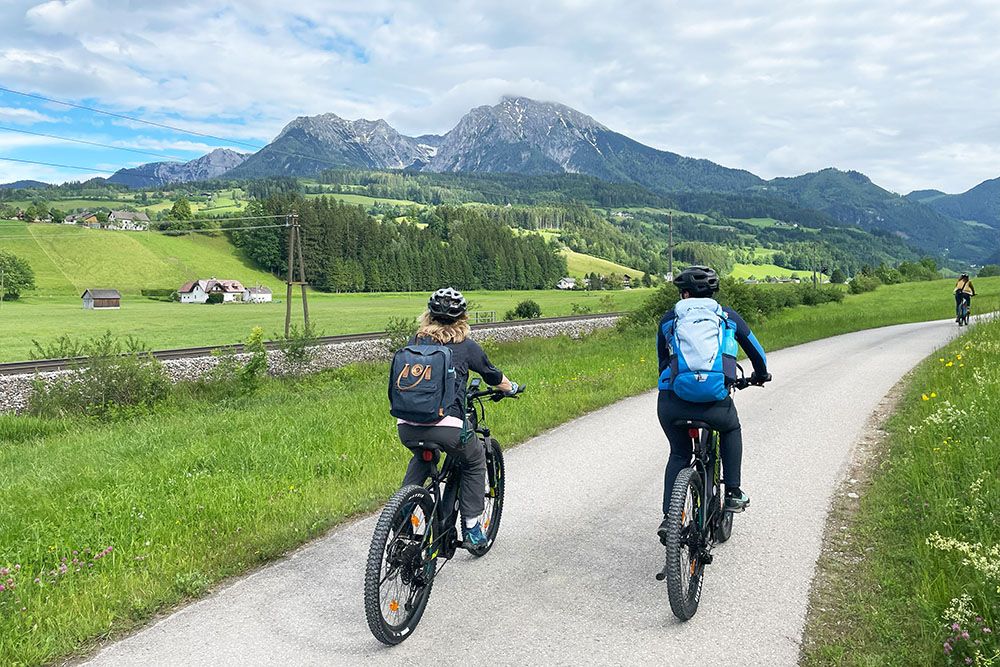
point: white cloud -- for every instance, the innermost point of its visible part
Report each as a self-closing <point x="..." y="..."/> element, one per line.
<point x="897" y="90"/>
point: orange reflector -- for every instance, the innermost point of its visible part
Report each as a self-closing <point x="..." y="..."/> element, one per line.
<point x="414" y="520"/>
<point x="692" y="568"/>
<point x="683" y="515"/>
<point x="393" y="606"/>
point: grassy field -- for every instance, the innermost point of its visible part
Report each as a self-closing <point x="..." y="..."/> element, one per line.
<point x="225" y="201"/>
<point x="211" y="485"/>
<point x="67" y="259"/>
<point x="578" y="265"/>
<point x="927" y="531"/>
<point x="760" y="271"/>
<point x="365" y="200"/>
<point x="163" y="325"/>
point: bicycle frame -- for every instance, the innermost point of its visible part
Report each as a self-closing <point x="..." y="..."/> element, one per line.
<point x="707" y="461"/>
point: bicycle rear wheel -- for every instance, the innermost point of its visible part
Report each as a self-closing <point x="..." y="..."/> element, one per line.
<point x="684" y="564"/>
<point x="401" y="565"/>
<point x="495" y="479"/>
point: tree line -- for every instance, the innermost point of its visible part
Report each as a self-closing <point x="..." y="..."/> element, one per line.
<point x="346" y="250"/>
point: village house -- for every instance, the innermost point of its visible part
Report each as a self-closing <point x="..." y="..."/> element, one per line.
<point x="130" y="221"/>
<point x="198" y="291"/>
<point x="566" y="283"/>
<point x="101" y="299"/>
<point x="85" y="218"/>
<point x="258" y="294"/>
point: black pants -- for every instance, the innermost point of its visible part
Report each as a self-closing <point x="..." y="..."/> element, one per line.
<point x="720" y="415"/>
<point x="471" y="461"/>
<point x="959" y="298"/>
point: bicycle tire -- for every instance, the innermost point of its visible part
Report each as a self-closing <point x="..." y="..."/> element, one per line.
<point x="725" y="529"/>
<point x="397" y="514"/>
<point x="684" y="572"/>
<point x="494" y="496"/>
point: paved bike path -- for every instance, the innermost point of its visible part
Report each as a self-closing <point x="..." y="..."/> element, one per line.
<point x="570" y="580"/>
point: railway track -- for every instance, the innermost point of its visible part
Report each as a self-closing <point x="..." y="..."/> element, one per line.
<point x="49" y="365"/>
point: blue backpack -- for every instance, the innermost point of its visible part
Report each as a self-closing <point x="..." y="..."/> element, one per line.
<point x="421" y="383"/>
<point x="703" y="348"/>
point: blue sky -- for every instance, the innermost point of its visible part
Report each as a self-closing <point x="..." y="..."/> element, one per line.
<point x="904" y="92"/>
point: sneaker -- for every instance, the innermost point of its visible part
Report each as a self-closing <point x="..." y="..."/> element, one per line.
<point x="736" y="501"/>
<point x="661" y="532"/>
<point x="473" y="538"/>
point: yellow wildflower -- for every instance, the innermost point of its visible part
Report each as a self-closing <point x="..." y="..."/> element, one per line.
<point x="950" y="364"/>
<point x="923" y="397"/>
<point x="933" y="395"/>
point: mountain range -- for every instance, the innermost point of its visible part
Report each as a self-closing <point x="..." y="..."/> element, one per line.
<point x="156" y="174"/>
<point x="525" y="136"/>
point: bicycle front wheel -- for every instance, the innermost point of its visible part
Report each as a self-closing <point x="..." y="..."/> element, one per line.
<point x="401" y="565"/>
<point x="684" y="544"/>
<point x="493" y="510"/>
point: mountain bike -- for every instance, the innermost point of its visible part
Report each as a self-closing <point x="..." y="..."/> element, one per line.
<point x="964" y="309"/>
<point x="697" y="517"/>
<point x="421" y="525"/>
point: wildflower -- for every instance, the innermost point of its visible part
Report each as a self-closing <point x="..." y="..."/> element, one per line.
<point x="933" y="394"/>
<point x="950" y="364"/>
<point x="986" y="631"/>
<point x="958" y="356"/>
<point x="947" y="648"/>
<point x="923" y="397"/>
<point x="941" y="359"/>
<point x="968" y="661"/>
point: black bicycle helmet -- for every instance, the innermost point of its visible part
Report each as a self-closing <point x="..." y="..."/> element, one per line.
<point x="700" y="281"/>
<point x="965" y="275"/>
<point x="447" y="305"/>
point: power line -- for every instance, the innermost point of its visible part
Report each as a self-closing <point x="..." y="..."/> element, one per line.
<point x="91" y="143"/>
<point x="53" y="164"/>
<point x="173" y="128"/>
<point x="125" y="117"/>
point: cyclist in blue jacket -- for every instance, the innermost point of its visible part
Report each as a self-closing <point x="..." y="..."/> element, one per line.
<point x="701" y="282"/>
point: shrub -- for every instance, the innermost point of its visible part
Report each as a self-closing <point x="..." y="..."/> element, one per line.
<point x="580" y="308"/>
<point x="296" y="345"/>
<point x="69" y="347"/>
<point x="215" y="298"/>
<point x="526" y="310"/>
<point x="111" y="382"/>
<point x="838" y="277"/>
<point x="862" y="283"/>
<point x="398" y="332"/>
<point x="256" y="366"/>
<point x="989" y="271"/>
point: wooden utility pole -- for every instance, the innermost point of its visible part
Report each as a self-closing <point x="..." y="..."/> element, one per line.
<point x="670" y="245"/>
<point x="295" y="257"/>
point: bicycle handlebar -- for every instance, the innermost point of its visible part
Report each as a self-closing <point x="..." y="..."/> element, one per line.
<point x="752" y="381"/>
<point x="495" y="394"/>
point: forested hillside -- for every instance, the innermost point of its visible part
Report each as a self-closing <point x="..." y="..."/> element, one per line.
<point x="346" y="250"/>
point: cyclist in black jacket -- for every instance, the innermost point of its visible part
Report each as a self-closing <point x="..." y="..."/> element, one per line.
<point x="446" y="322"/>
<point x="700" y="282"/>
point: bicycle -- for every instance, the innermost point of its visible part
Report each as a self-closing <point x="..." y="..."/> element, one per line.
<point x="697" y="521"/>
<point x="421" y="524"/>
<point x="964" y="309"/>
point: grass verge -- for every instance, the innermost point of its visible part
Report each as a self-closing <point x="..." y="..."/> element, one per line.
<point x="119" y="520"/>
<point x="913" y="576"/>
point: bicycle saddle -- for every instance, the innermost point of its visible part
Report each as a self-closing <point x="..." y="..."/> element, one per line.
<point x="691" y="423"/>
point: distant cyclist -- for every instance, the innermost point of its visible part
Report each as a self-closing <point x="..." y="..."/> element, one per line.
<point x="696" y="345"/>
<point x="964" y="291"/>
<point x="446" y="322"/>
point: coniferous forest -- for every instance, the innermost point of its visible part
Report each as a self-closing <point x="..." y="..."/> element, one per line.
<point x="346" y="250"/>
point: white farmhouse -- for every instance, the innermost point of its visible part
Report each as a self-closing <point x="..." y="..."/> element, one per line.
<point x="198" y="291"/>
<point x="193" y="292"/>
<point x="128" y="221"/>
<point x="258" y="294"/>
<point x="566" y="283"/>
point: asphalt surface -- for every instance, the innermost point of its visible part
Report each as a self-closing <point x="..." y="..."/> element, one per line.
<point x="570" y="579"/>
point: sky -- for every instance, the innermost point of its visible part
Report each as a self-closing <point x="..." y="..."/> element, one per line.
<point x="904" y="92"/>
